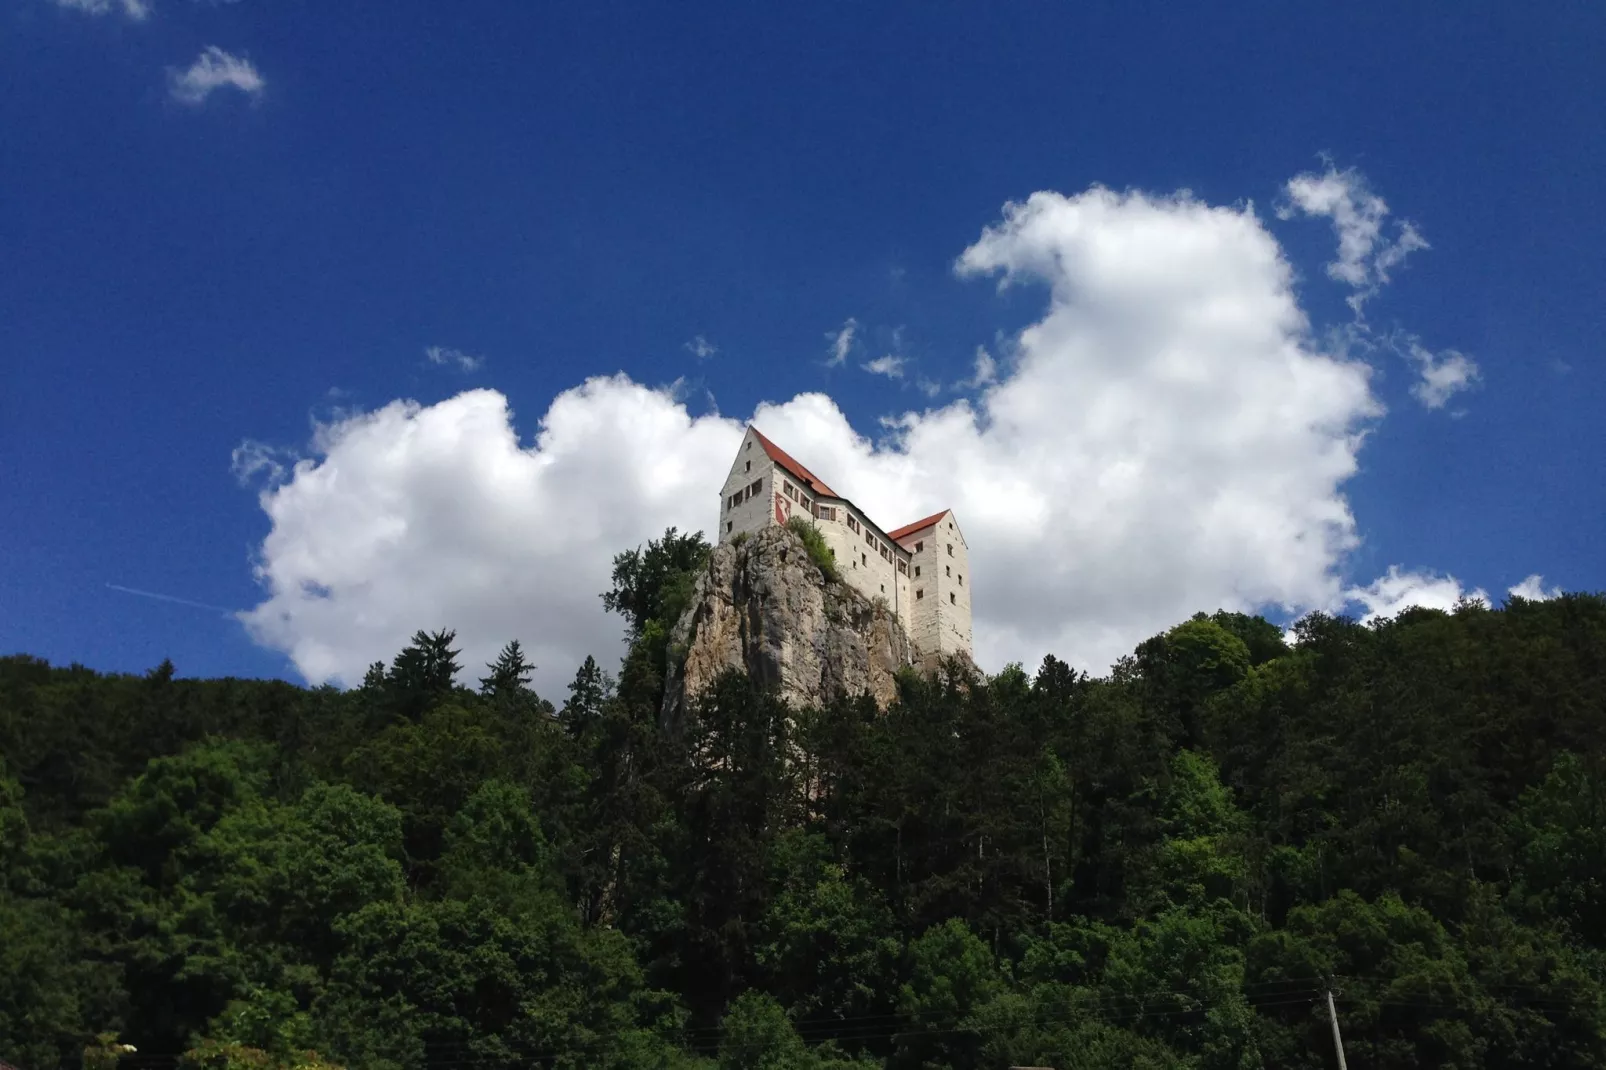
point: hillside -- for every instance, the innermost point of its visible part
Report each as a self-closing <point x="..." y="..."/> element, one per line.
<point x="1167" y="867"/>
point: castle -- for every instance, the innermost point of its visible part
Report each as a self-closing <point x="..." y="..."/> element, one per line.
<point x="922" y="570"/>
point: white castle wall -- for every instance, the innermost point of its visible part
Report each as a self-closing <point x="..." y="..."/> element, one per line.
<point x="931" y="593"/>
<point x="941" y="582"/>
<point x="859" y="557"/>
<point x="756" y="509"/>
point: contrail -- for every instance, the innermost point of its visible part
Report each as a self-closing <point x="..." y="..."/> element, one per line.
<point x="169" y="598"/>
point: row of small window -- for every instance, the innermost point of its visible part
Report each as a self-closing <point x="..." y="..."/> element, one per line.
<point x="921" y="545"/>
<point x="828" y="512"/>
<point x="920" y="593"/>
<point x="796" y="495"/>
<point x="755" y="487"/>
<point x="947" y="569"/>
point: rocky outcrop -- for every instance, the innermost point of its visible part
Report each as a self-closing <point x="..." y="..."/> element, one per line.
<point x="765" y="607"/>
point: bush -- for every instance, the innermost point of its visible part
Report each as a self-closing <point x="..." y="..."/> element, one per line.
<point x="814" y="543"/>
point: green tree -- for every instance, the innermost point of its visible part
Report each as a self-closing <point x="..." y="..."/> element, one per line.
<point x="423" y="674"/>
<point x="1559" y="829"/>
<point x="952" y="975"/>
<point x="655" y="583"/>
<point x="510" y="673"/>
<point x="824" y="945"/>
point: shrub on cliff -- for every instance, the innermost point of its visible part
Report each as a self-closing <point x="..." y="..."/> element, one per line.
<point x="814" y="543"/>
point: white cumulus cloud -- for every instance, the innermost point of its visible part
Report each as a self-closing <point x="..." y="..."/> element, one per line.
<point x="447" y="357"/>
<point x="1441" y="375"/>
<point x="212" y="70"/>
<point x="1168" y="436"/>
<point x="841" y="341"/>
<point x="1365" y="253"/>
<point x="890" y="366"/>
<point x="253" y="460"/>
<point x="1401" y="589"/>
<point x="437" y="516"/>
<point x="137" y="10"/>
<point x="986" y="371"/>
<point x="1534" y="590"/>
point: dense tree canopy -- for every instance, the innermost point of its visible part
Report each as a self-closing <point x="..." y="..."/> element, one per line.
<point x="1168" y="867"/>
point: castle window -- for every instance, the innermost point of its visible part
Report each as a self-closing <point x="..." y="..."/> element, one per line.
<point x="961" y="579"/>
<point x="903" y="567"/>
<point x="883" y="588"/>
<point x="952" y="599"/>
<point x="748" y="467"/>
<point x="727" y="527"/>
<point x="825" y="512"/>
<point x="865" y="559"/>
<point x="919" y="594"/>
<point x="789" y="490"/>
<point x="920" y="546"/>
<point x="917" y="570"/>
<point x="950" y="549"/>
<point x="948" y="570"/>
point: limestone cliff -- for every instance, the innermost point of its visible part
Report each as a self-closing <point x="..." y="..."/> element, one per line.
<point x="763" y="606"/>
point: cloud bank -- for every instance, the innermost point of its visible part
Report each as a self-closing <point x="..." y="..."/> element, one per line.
<point x="1167" y="437"/>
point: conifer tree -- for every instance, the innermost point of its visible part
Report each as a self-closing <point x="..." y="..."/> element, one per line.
<point x="510" y="673"/>
<point x="423" y="673"/>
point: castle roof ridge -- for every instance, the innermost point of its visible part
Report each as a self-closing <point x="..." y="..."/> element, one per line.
<point x="788" y="462"/>
<point x="918" y="525"/>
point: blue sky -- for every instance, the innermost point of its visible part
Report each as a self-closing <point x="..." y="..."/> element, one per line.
<point x="225" y="225"/>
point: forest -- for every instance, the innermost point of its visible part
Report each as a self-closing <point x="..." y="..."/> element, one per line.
<point x="1168" y="866"/>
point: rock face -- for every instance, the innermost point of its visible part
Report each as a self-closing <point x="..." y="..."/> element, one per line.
<point x="764" y="606"/>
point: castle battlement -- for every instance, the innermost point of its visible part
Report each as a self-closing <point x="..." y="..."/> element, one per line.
<point x="922" y="569"/>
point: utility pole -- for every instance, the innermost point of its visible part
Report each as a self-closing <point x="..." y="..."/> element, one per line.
<point x="1338" y="1041"/>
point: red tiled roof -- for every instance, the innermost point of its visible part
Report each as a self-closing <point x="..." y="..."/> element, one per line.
<point x="918" y="525"/>
<point x="784" y="459"/>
